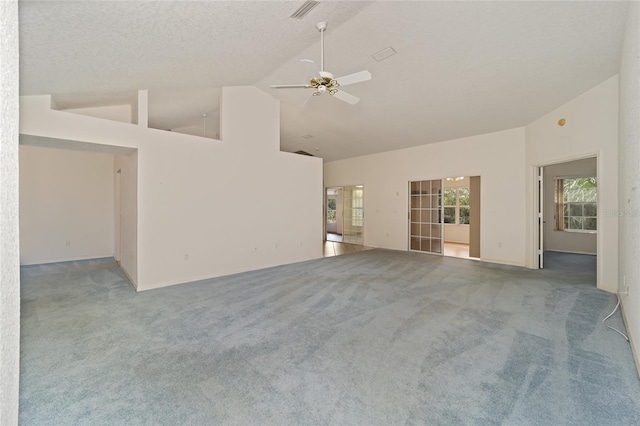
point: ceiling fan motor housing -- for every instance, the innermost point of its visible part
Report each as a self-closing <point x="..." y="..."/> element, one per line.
<point x="326" y="79"/>
<point x="323" y="81"/>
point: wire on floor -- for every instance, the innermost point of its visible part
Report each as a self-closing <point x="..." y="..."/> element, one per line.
<point x="610" y="315"/>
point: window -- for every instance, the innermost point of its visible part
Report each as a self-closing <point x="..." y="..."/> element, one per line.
<point x="357" y="207"/>
<point x="576" y="204"/>
<point x="331" y="210"/>
<point x="450" y="205"/>
<point x="463" y="206"/>
<point x="456" y="206"/>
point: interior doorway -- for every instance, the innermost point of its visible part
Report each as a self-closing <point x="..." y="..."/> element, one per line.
<point x="425" y="216"/>
<point x="456" y="207"/>
<point x="344" y="214"/>
<point x="567" y="225"/>
<point x="117" y="212"/>
<point x="333" y="215"/>
<point x="444" y="216"/>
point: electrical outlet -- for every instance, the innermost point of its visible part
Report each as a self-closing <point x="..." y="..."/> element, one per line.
<point x="67" y="243"/>
<point x="624" y="288"/>
<point x="624" y="291"/>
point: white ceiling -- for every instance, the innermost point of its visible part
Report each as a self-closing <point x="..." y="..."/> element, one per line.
<point x="461" y="68"/>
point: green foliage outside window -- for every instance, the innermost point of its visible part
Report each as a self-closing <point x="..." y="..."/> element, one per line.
<point x="331" y="210"/>
<point x="450" y="197"/>
<point x="456" y="199"/>
<point x="580" y="196"/>
<point x="449" y="215"/>
<point x="463" y="196"/>
<point x="464" y="215"/>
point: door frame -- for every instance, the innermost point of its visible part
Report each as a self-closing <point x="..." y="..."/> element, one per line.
<point x="477" y="229"/>
<point x="326" y="207"/>
<point x="532" y="260"/>
<point x="408" y="230"/>
<point x="540" y="215"/>
<point x="117" y="255"/>
<point x="341" y="212"/>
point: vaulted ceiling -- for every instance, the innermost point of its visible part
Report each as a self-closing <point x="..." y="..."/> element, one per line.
<point x="461" y="68"/>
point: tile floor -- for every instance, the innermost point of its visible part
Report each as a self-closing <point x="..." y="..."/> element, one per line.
<point x="457" y="250"/>
<point x="332" y="248"/>
<point x="336" y="238"/>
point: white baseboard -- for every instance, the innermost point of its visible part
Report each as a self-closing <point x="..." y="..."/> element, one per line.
<point x="572" y="252"/>
<point x="633" y="347"/>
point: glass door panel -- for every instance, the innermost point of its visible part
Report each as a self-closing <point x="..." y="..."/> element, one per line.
<point x="353" y="214"/>
<point x="425" y="206"/>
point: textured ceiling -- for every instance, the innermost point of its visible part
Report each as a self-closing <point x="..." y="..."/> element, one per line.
<point x="461" y="68"/>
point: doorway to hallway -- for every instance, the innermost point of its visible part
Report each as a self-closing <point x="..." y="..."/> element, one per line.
<point x="444" y="216"/>
<point x="344" y="214"/>
<point x="333" y="215"/>
<point x="567" y="214"/>
<point x="461" y="206"/>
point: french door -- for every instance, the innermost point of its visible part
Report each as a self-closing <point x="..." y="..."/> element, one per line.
<point x="353" y="214"/>
<point x="425" y="216"/>
<point x="540" y="217"/>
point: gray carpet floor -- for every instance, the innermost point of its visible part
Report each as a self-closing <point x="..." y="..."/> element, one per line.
<point x="371" y="338"/>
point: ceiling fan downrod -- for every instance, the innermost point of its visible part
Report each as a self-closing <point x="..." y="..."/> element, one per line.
<point x="322" y="81"/>
<point x="321" y="26"/>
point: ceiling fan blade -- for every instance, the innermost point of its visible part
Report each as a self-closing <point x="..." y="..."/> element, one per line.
<point x="291" y="86"/>
<point x="354" y="78"/>
<point x="311" y="68"/>
<point x="307" y="101"/>
<point x="344" y="96"/>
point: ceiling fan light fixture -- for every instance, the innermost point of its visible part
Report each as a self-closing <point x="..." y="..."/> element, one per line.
<point x="323" y="81"/>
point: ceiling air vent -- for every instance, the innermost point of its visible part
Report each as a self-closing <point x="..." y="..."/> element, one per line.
<point x="304" y="9"/>
<point x="384" y="54"/>
<point x="303" y="153"/>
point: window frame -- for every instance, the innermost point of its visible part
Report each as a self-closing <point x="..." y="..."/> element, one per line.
<point x="467" y="206"/>
<point x="357" y="207"/>
<point x="457" y="206"/>
<point x="330" y="210"/>
<point x="559" y="205"/>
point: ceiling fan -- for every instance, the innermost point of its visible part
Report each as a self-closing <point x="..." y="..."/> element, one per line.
<point x="323" y="81"/>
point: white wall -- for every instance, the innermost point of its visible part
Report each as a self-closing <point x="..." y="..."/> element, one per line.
<point x="629" y="176"/>
<point x="591" y="129"/>
<point x="573" y="242"/>
<point x="120" y="113"/>
<point x="66" y="205"/>
<point x="206" y="208"/>
<point x="128" y="212"/>
<point x="497" y="157"/>
<point x="9" y="249"/>
<point x="456" y="233"/>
